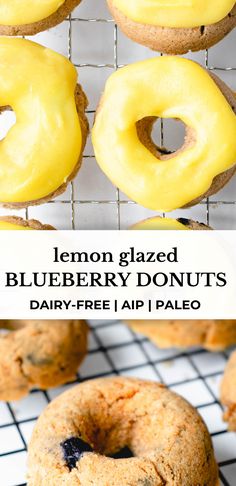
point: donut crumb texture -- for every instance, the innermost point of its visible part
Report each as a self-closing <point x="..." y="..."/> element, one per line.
<point x="39" y="354"/>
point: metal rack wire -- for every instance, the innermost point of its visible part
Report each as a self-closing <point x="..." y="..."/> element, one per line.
<point x="114" y="349"/>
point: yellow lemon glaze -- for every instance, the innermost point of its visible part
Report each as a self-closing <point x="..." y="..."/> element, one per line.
<point x="168" y="87"/>
<point x="4" y="225"/>
<point x="158" y="223"/>
<point x="20" y="12"/>
<point x="41" y="150"/>
<point x="175" y="13"/>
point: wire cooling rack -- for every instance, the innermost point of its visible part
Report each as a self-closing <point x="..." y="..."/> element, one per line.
<point x="113" y="350"/>
<point x="97" y="48"/>
<point x="92" y="41"/>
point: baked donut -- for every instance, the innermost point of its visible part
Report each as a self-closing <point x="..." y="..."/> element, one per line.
<point x="228" y="392"/>
<point x="39" y="353"/>
<point x="174" y="27"/>
<point x="42" y="152"/>
<point x="214" y="335"/>
<point x="158" y="223"/>
<point x="16" y="223"/>
<point x="89" y="434"/>
<point x="29" y="18"/>
<point x="166" y="87"/>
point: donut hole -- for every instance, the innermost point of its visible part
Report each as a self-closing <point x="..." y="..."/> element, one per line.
<point x="108" y="436"/>
<point x="108" y="429"/>
<point x="177" y="136"/>
<point x="74" y="448"/>
<point x="100" y="432"/>
<point x="7" y="121"/>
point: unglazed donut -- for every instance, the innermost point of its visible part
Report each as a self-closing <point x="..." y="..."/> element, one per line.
<point x="16" y="223"/>
<point x="39" y="353"/>
<point x="166" y="87"/>
<point x="175" y="27"/>
<point x="80" y="429"/>
<point x="228" y="392"/>
<point x="214" y="335"/>
<point x="42" y="152"/>
<point x="18" y="17"/>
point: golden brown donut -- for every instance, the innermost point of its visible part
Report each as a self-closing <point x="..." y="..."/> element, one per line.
<point x="214" y="335"/>
<point x="80" y="429"/>
<point x="173" y="40"/>
<point x="39" y="353"/>
<point x="228" y="392"/>
<point x="45" y="23"/>
<point x="25" y="223"/>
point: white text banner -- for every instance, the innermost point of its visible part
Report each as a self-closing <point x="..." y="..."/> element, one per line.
<point x="118" y="274"/>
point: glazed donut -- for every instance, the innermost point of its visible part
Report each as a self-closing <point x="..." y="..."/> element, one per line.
<point x="42" y="152"/>
<point x="19" y="17"/>
<point x="214" y="335"/>
<point x="16" y="223"/>
<point x="228" y="392"/>
<point x="39" y="353"/>
<point x="158" y="223"/>
<point x="80" y="429"/>
<point x="166" y="87"/>
<point x="174" y="27"/>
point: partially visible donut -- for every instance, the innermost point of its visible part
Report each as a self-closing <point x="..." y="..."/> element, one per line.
<point x="43" y="150"/>
<point x="174" y="35"/>
<point x="31" y="17"/>
<point x="166" y="87"/>
<point x="214" y="335"/>
<point x="17" y="223"/>
<point x="39" y="353"/>
<point x="228" y="392"/>
<point x="87" y="436"/>
<point x="158" y="223"/>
